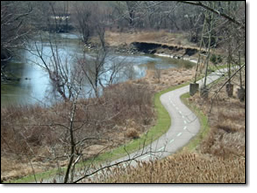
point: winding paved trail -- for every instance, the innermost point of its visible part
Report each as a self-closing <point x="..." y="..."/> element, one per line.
<point x="185" y="125"/>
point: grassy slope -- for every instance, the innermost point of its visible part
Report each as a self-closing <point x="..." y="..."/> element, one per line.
<point x="161" y="127"/>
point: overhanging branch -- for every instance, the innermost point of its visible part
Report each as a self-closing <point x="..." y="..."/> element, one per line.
<point x="199" y="3"/>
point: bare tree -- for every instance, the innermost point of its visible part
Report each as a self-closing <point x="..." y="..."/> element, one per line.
<point x="83" y="14"/>
<point x="114" y="69"/>
<point x="130" y="71"/>
<point x="209" y="36"/>
<point x="93" y="69"/>
<point x="71" y="163"/>
<point x="223" y="23"/>
<point x="127" y="13"/>
<point x="65" y="78"/>
<point x="14" y="29"/>
<point x="91" y="19"/>
<point x="216" y="11"/>
<point x="131" y="6"/>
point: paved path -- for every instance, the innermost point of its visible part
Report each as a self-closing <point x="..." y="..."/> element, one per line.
<point x="185" y="125"/>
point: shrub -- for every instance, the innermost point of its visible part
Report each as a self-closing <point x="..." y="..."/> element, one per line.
<point x="215" y="59"/>
<point x="132" y="133"/>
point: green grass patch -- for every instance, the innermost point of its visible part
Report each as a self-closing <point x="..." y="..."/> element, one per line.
<point x="213" y="67"/>
<point x="43" y="175"/>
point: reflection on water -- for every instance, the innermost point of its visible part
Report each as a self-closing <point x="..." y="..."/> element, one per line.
<point x="34" y="85"/>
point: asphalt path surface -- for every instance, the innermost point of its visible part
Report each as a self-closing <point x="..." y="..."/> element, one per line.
<point x="184" y="126"/>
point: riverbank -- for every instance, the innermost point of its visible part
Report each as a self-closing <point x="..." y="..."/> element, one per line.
<point x="160" y="43"/>
<point x="176" y="57"/>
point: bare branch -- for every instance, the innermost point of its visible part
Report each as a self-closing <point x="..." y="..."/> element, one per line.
<point x="199" y="3"/>
<point x="106" y="167"/>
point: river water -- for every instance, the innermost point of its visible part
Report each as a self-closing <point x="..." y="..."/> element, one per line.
<point x="34" y="86"/>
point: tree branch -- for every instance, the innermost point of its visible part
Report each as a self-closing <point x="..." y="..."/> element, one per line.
<point x="199" y="3"/>
<point x="106" y="167"/>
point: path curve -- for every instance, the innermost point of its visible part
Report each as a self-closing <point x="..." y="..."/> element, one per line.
<point x="184" y="126"/>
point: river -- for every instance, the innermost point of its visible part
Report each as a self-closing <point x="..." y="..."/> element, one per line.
<point x="33" y="85"/>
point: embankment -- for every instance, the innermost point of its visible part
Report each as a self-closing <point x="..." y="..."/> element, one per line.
<point x="175" y="51"/>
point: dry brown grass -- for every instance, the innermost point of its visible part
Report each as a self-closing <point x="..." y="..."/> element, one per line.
<point x="167" y="79"/>
<point x="36" y="134"/>
<point x="132" y="133"/>
<point x="227" y="124"/>
<point x="182" y="168"/>
<point x="227" y="135"/>
<point x="13" y="168"/>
